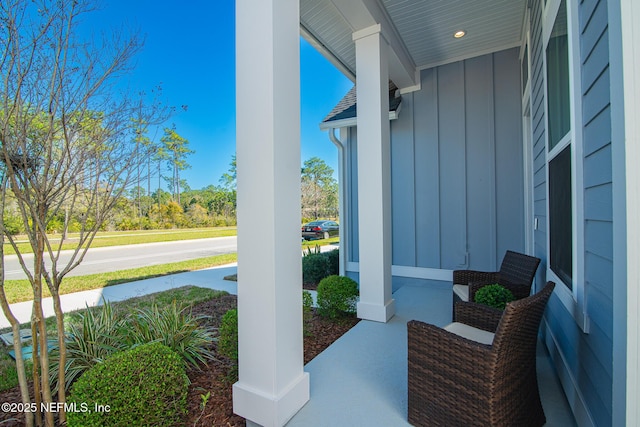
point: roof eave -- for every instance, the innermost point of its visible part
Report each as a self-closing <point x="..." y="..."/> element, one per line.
<point x="327" y="53"/>
<point x="352" y="121"/>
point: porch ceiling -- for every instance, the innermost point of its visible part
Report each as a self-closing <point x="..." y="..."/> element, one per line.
<point x="421" y="31"/>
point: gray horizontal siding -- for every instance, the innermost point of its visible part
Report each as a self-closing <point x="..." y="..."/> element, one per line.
<point x="588" y="357"/>
<point x="598" y="202"/>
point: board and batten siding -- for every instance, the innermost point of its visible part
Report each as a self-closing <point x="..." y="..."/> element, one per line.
<point x="584" y="361"/>
<point x="456" y="167"/>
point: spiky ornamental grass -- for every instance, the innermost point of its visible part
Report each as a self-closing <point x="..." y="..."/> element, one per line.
<point x="103" y="331"/>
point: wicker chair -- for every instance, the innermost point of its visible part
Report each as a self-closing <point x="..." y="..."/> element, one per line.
<point x="516" y="274"/>
<point x="454" y="381"/>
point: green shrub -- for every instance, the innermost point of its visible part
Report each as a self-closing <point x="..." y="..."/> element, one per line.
<point x="144" y="386"/>
<point x="228" y="339"/>
<point x="334" y="261"/>
<point x="316" y="250"/>
<point x="495" y="295"/>
<point x="175" y="327"/>
<point x="337" y="296"/>
<point x="307" y="313"/>
<point x="102" y="331"/>
<point x="315" y="267"/>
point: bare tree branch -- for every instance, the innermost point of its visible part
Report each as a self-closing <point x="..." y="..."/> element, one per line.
<point x="67" y="144"/>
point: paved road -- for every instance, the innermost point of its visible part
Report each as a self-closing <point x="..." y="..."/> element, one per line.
<point x="102" y="260"/>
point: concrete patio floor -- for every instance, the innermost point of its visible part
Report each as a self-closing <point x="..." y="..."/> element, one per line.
<point x="361" y="380"/>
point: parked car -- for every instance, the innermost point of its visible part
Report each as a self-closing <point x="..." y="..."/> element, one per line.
<point x="322" y="229"/>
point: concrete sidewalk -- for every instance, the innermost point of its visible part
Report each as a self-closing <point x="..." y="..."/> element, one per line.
<point x="212" y="278"/>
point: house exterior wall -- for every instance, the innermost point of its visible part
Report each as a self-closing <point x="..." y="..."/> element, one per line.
<point x="583" y="360"/>
<point x="457" y="198"/>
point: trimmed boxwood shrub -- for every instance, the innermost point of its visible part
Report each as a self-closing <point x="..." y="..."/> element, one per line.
<point x="228" y="342"/>
<point x="495" y="295"/>
<point x="228" y="339"/>
<point x="334" y="261"/>
<point x="337" y="296"/>
<point x="315" y="267"/>
<point x="144" y="386"/>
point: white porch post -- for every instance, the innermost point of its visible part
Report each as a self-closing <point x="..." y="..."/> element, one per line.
<point x="374" y="175"/>
<point x="624" y="52"/>
<point x="272" y="385"/>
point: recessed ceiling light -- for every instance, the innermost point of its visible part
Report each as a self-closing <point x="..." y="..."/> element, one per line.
<point x="459" y="34"/>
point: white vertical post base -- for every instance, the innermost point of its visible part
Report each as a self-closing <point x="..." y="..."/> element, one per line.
<point x="377" y="312"/>
<point x="266" y="410"/>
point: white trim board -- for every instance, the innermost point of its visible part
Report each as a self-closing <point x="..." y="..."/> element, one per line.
<point x="568" y="381"/>
<point x="439" y="274"/>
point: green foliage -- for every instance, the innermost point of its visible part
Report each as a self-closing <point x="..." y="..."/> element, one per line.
<point x="144" y="386"/>
<point x="8" y="371"/>
<point x="13" y="223"/>
<point x="319" y="189"/>
<point x="307" y="313"/>
<point x="337" y="296"/>
<point x="100" y="332"/>
<point x="334" y="261"/>
<point x="91" y="338"/>
<point x="495" y="295"/>
<point x="228" y="342"/>
<point x="175" y="327"/>
<point x="228" y="339"/>
<point x="315" y="251"/>
<point x="315" y="267"/>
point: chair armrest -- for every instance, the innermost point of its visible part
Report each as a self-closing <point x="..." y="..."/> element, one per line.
<point x="477" y="315"/>
<point x="518" y="290"/>
<point x="444" y="371"/>
<point x="463" y="277"/>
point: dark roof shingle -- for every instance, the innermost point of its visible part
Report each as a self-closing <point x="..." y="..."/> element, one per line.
<point x="347" y="107"/>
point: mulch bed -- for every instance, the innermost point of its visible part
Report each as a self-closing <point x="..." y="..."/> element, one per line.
<point x="217" y="378"/>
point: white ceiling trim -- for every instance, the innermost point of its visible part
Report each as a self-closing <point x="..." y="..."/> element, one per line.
<point x="419" y="32"/>
<point x="362" y="14"/>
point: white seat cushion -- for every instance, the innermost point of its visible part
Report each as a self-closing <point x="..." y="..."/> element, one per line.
<point x="470" y="333"/>
<point x="462" y="291"/>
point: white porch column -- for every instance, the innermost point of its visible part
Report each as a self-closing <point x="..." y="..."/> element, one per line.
<point x="272" y="385"/>
<point x="374" y="175"/>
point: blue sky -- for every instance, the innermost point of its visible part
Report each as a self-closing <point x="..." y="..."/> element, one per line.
<point x="189" y="48"/>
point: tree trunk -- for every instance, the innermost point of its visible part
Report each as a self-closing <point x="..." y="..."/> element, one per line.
<point x="17" y="347"/>
<point x="38" y="316"/>
<point x="35" y="369"/>
<point x="57" y="307"/>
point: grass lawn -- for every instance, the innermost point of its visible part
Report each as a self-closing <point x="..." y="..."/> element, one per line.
<point x="20" y="290"/>
<point x="312" y="243"/>
<point x="118" y="238"/>
<point x="191" y="294"/>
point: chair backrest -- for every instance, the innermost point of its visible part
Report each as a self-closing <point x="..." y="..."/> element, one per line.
<point x="513" y="378"/>
<point x="518" y="326"/>
<point x="518" y="268"/>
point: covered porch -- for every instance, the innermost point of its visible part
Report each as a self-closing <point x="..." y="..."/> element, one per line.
<point x="465" y="171"/>
<point x="361" y="380"/>
<point x="377" y="46"/>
